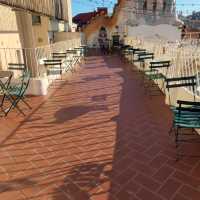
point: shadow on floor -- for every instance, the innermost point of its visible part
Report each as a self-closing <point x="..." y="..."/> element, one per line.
<point x="66" y="114"/>
<point x="82" y="182"/>
<point x="117" y="142"/>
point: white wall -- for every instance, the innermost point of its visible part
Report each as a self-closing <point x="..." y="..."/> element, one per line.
<point x="162" y="31"/>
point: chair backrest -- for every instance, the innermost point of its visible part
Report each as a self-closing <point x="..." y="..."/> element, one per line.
<point x="160" y="64"/>
<point x="128" y="51"/>
<point x="185" y="81"/>
<point x="71" y="52"/>
<point x="80" y="50"/>
<point x="7" y="75"/>
<point x="25" y="82"/>
<point x="139" y="51"/>
<point x="52" y="62"/>
<point x="84" y="47"/>
<point x="125" y="46"/>
<point x="59" y="55"/>
<point x="24" y="79"/>
<point x="145" y="56"/>
<point x="190" y="106"/>
<point x="53" y="66"/>
<point x="16" y="66"/>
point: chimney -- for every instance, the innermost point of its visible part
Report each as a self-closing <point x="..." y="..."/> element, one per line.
<point x="102" y="10"/>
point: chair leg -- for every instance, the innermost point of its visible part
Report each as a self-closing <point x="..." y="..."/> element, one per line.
<point x="19" y="109"/>
<point x="176" y="136"/>
<point x="177" y="144"/>
<point x="26" y="103"/>
<point x="171" y="129"/>
<point x="14" y="104"/>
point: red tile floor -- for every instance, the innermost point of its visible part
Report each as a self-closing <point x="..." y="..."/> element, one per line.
<point x="97" y="136"/>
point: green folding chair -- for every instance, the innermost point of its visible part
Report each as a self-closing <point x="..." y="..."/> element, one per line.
<point x="187" y="116"/>
<point x="142" y="57"/>
<point x="17" y="90"/>
<point x="53" y="66"/>
<point x="158" y="71"/>
<point x="4" y="85"/>
<point x="73" y="58"/>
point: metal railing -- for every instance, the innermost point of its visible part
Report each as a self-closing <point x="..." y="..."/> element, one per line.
<point x="33" y="58"/>
<point x="184" y="57"/>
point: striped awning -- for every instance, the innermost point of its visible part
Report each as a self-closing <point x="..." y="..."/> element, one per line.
<point x="53" y="8"/>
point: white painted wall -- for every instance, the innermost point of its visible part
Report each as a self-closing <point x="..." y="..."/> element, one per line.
<point x="162" y="31"/>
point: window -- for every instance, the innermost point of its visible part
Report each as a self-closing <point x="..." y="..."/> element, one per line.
<point x="164" y="6"/>
<point x="36" y="20"/>
<point x="154" y="5"/>
<point x="145" y="5"/>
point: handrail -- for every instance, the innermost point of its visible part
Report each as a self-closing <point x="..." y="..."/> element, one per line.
<point x="184" y="56"/>
<point x="38" y="55"/>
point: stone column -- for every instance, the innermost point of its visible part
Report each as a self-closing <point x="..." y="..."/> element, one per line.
<point x="68" y="10"/>
<point x="26" y="34"/>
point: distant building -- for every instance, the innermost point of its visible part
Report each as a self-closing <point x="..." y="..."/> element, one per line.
<point x="193" y="21"/>
<point x="42" y="28"/>
<point x="136" y="18"/>
<point x="83" y="19"/>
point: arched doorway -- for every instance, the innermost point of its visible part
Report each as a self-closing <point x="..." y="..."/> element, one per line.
<point x="103" y="39"/>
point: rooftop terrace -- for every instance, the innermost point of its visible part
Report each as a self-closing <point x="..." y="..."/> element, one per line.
<point x="96" y="136"/>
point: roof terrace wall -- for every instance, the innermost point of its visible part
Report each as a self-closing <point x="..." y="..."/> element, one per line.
<point x="53" y="8"/>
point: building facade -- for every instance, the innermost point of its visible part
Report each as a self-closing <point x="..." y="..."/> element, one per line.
<point x="20" y="29"/>
<point x="42" y="26"/>
<point x="133" y="17"/>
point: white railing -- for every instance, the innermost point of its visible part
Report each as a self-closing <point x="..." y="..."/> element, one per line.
<point x="34" y="57"/>
<point x="185" y="57"/>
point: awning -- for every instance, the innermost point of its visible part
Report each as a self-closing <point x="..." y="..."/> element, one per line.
<point x="53" y="8"/>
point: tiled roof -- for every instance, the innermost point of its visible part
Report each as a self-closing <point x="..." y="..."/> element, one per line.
<point x="84" y="18"/>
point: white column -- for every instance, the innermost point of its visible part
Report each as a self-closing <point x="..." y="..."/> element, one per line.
<point x="26" y="33"/>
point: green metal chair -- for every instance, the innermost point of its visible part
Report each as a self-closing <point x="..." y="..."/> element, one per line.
<point x="85" y="50"/>
<point x="73" y="58"/>
<point x="158" y="71"/>
<point x="65" y="63"/>
<point x="137" y="52"/>
<point x="53" y="66"/>
<point x="142" y="57"/>
<point x="80" y="52"/>
<point x="17" y="90"/>
<point x="179" y="82"/>
<point x="189" y="82"/>
<point x="59" y="55"/>
<point x="187" y="114"/>
<point x="4" y="85"/>
<point x="125" y="52"/>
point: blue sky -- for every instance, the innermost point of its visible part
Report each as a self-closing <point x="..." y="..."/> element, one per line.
<point x="79" y="6"/>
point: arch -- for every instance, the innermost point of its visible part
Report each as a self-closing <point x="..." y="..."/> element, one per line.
<point x="103" y="32"/>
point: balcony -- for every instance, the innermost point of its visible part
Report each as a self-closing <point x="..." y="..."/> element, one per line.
<point x="96" y="136"/>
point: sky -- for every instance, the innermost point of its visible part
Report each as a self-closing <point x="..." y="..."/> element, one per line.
<point x="79" y="6"/>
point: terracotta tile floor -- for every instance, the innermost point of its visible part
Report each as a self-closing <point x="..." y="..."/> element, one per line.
<point x="95" y="137"/>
